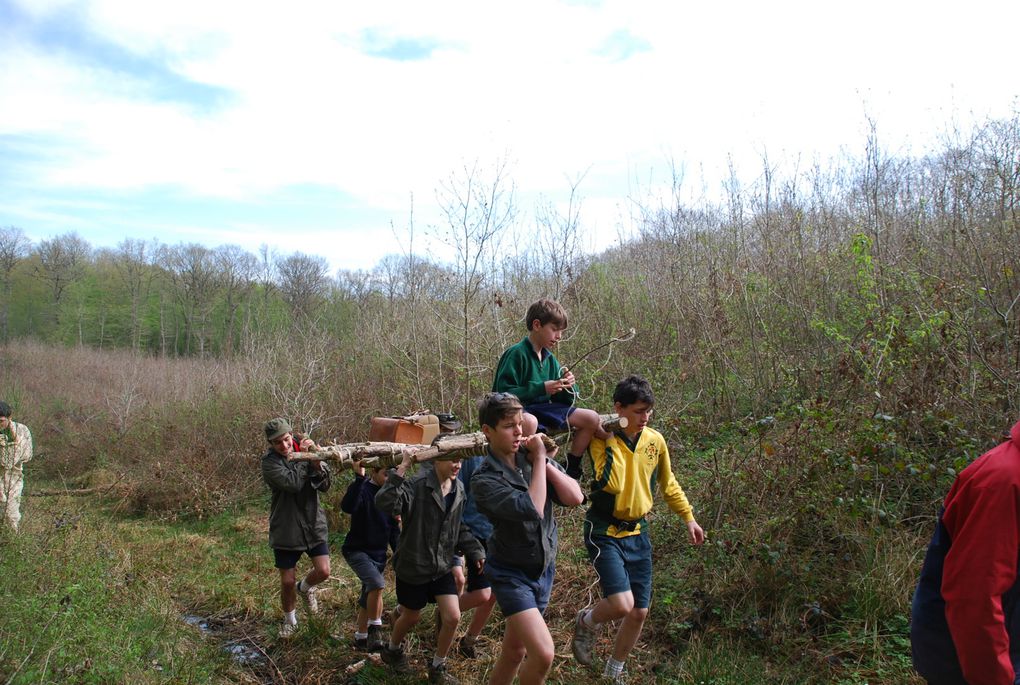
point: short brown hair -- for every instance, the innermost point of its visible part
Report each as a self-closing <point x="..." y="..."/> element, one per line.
<point x="546" y="311"/>
<point x="496" y="406"/>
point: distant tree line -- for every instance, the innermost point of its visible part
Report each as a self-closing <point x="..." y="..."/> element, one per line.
<point x="880" y="278"/>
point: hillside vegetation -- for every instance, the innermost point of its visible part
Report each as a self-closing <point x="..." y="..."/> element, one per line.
<point x="829" y="346"/>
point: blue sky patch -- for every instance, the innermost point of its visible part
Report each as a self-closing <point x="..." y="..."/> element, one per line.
<point x="377" y="44"/>
<point x="66" y="33"/>
<point x="622" y="45"/>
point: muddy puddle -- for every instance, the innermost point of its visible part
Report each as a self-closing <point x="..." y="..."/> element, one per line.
<point x="242" y="650"/>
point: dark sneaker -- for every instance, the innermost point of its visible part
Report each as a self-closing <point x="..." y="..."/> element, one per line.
<point x="361" y="644"/>
<point x="574" y="469"/>
<point x="396" y="659"/>
<point x="438" y="675"/>
<point x="583" y="642"/>
<point x="467" y="645"/>
<point x="375" y="641"/>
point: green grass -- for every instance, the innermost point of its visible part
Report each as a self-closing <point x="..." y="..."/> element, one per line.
<point x="93" y="595"/>
<point x="80" y="608"/>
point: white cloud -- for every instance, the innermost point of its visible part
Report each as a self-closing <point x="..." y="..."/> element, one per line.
<point x="306" y="105"/>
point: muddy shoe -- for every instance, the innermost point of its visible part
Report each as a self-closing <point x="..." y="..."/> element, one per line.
<point x="360" y="644"/>
<point x="467" y="645"/>
<point x="438" y="675"/>
<point x="311" y="601"/>
<point x="583" y="642"/>
<point x="287" y="630"/>
<point x="375" y="641"/>
<point x="396" y="659"/>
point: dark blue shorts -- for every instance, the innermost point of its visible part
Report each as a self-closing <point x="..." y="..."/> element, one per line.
<point x="516" y="592"/>
<point x="550" y="415"/>
<point x="369" y="572"/>
<point x="415" y="597"/>
<point x="476" y="580"/>
<point x="288" y="558"/>
<point x="622" y="564"/>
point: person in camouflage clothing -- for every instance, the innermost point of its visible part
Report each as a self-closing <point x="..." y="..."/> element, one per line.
<point x="15" y="450"/>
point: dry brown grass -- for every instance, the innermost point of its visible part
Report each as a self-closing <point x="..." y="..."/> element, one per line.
<point x="178" y="435"/>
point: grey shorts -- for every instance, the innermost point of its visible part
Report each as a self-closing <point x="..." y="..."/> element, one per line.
<point x="369" y="572"/>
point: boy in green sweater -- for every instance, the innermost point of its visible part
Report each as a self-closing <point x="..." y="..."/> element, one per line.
<point x="531" y="371"/>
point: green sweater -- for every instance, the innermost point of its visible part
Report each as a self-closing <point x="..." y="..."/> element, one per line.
<point x="522" y="373"/>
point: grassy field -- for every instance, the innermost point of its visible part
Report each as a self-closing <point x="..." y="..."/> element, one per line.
<point x="97" y="595"/>
<point x="816" y="517"/>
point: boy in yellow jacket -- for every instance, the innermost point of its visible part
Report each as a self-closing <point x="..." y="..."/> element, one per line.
<point x="627" y="467"/>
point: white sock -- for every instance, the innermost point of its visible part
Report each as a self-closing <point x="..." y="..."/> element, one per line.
<point x="613" y="667"/>
<point x="303" y="586"/>
<point x="375" y="621"/>
<point x="438" y="661"/>
<point x="587" y="620"/>
<point x="360" y="636"/>
<point x="290" y="617"/>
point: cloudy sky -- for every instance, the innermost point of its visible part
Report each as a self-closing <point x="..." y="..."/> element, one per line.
<point x="311" y="125"/>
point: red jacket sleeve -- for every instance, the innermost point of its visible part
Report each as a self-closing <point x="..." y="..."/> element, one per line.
<point x="981" y="517"/>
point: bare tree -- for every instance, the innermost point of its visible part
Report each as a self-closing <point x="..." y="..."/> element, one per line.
<point x="559" y="239"/>
<point x="133" y="263"/>
<point x="61" y="261"/>
<point x="14" y="246"/>
<point x="192" y="273"/>
<point x="478" y="207"/>
<point x="235" y="270"/>
<point x="304" y="282"/>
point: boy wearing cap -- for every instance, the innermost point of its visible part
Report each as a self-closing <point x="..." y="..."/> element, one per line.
<point x="297" y="523"/>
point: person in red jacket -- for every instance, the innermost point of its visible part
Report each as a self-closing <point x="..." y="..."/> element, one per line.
<point x="965" y="619"/>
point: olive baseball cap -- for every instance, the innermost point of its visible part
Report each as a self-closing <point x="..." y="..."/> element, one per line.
<point x="275" y="428"/>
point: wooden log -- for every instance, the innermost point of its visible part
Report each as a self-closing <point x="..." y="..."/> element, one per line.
<point x="446" y="447"/>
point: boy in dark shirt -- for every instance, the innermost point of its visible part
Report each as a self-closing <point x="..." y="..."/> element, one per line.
<point x="297" y="523"/>
<point x="364" y="550"/>
<point x="515" y="488"/>
<point x="430" y="506"/>
<point x="478" y="591"/>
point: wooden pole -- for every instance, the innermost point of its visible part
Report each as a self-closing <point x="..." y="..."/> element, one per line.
<point x="446" y="447"/>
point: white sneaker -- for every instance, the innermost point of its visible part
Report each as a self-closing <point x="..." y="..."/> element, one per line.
<point x="311" y="601"/>
<point x="287" y="630"/>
